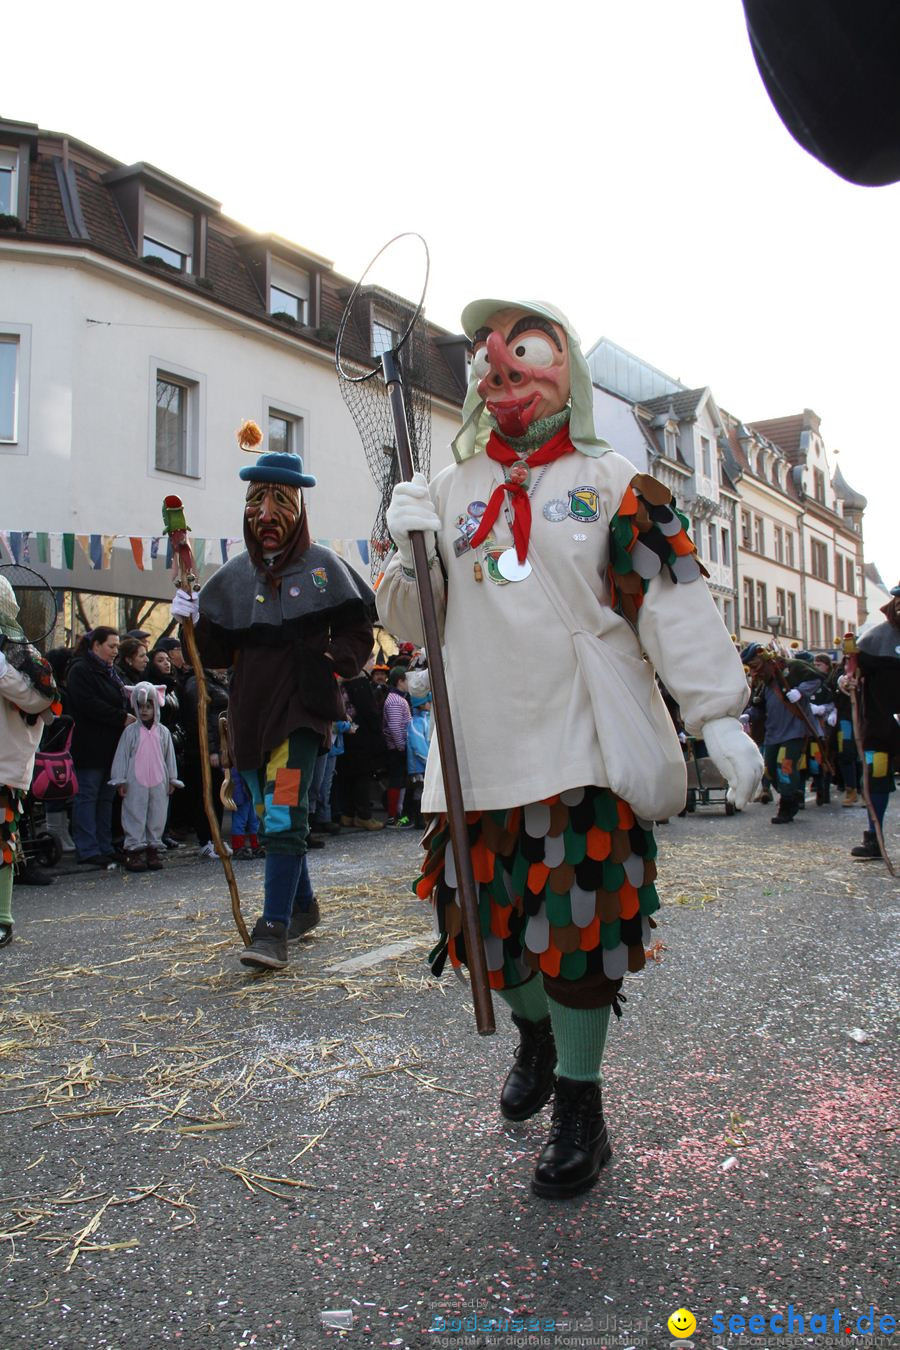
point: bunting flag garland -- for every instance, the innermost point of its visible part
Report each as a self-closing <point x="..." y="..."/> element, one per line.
<point x="56" y="549"/>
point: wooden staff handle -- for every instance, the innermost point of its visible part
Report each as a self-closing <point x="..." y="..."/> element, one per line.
<point x="456" y="813"/>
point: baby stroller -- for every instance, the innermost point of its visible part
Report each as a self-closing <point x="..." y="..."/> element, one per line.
<point x="52" y="783"/>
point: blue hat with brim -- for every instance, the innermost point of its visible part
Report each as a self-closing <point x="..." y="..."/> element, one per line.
<point x="752" y="649"/>
<point x="281" y="467"/>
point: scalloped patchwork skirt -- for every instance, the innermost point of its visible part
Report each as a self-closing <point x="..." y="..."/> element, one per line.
<point x="12" y="804"/>
<point x="565" y="887"/>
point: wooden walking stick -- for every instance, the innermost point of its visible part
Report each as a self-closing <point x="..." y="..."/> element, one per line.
<point x="176" y="527"/>
<point x="357" y="361"/>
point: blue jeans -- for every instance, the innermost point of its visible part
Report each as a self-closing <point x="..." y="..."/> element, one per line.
<point x="92" y="814"/>
<point x="320" y="789"/>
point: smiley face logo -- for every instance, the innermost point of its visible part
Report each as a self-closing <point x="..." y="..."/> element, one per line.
<point x="682" y="1323"/>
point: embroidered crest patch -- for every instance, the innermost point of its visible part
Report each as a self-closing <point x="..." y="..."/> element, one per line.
<point x="320" y="577"/>
<point x="584" y="503"/>
<point x="556" y="509"/>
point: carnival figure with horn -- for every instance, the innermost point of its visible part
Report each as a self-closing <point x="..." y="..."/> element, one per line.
<point x="288" y="616"/>
<point x="566" y="752"/>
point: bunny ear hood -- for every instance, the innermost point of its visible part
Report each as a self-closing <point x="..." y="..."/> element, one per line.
<point x="477" y="421"/>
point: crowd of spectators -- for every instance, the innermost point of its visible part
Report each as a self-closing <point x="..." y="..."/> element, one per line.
<point x="367" y="777"/>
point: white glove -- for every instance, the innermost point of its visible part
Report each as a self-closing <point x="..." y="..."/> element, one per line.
<point x="3" y="664"/>
<point x="735" y="756"/>
<point x="818" y="709"/>
<point x="411" y="508"/>
<point x="831" y="719"/>
<point x="185" y="606"/>
<point x="794" y="696"/>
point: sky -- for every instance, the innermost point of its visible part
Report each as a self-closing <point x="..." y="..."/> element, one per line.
<point x="622" y="161"/>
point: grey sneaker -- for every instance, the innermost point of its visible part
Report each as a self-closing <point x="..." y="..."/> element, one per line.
<point x="302" y="921"/>
<point x="268" y="946"/>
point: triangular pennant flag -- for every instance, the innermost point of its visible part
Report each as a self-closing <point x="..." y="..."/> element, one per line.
<point x="4" y="535"/>
<point x="199" y="547"/>
<point x="108" y="542"/>
<point x="168" y="550"/>
<point x="363" y="546"/>
<point x="69" y="550"/>
<point x="96" y="552"/>
<point x="26" y="546"/>
<point x="42" y="544"/>
<point x="137" y="551"/>
<point x="84" y="543"/>
<point x="154" y="547"/>
<point x="56" y="550"/>
<point x="223" y="548"/>
<point x="147" y="543"/>
<point x="15" y="544"/>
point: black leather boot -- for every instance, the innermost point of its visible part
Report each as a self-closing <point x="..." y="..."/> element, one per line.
<point x="578" y="1144"/>
<point x="868" y="849"/>
<point x="529" y="1083"/>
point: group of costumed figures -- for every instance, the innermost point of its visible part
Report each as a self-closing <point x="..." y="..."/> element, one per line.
<point x="565" y="750"/>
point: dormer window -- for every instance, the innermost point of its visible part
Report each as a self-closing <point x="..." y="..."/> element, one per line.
<point x="168" y="234"/>
<point x="289" y="291"/>
<point x="671" y="439"/>
<point x="384" y="336"/>
<point x="9" y="162"/>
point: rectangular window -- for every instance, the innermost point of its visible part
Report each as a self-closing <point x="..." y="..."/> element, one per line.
<point x="176" y="426"/>
<point x="726" y="546"/>
<point x="713" y="544"/>
<point x="762" y="604"/>
<point x="781" y="604"/>
<point x="792" y="614"/>
<point x="849" y="576"/>
<point x="815" y="628"/>
<point x="838" y="571"/>
<point x="779" y="544"/>
<point x="789" y="547"/>
<point x="288" y="291"/>
<point x="819" y="485"/>
<point x="9" y="361"/>
<point x="285" y="432"/>
<point x="749" y="610"/>
<point x="759" y="535"/>
<point x="728" y="614"/>
<point x="8" y="195"/>
<point x="384" y="338"/>
<point x="168" y="234"/>
<point x="829" y="631"/>
<point x="706" y="456"/>
<point x="819" y="558"/>
<point x="746" y="536"/>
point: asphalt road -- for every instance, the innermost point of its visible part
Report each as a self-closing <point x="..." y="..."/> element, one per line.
<point x="195" y="1156"/>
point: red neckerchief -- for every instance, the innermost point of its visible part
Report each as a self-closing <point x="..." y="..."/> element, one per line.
<point x="498" y="450"/>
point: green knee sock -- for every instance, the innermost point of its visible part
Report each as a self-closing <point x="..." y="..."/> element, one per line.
<point x="6" y="880"/>
<point x="580" y="1034"/>
<point x="527" y="1000"/>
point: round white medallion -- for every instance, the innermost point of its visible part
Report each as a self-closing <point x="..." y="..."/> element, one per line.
<point x="510" y="568"/>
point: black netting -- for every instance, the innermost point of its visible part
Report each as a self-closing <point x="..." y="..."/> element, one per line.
<point x="375" y="322"/>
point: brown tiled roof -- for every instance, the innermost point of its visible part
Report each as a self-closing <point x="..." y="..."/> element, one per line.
<point x="227" y="271"/>
<point x="789" y="487"/>
<point x="784" y="431"/>
<point x="684" y="404"/>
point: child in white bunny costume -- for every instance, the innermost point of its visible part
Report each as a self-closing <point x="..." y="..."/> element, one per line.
<point x="145" y="773"/>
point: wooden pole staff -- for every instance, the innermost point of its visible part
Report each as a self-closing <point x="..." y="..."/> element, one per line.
<point x="459" y="836"/>
<point x="185" y="578"/>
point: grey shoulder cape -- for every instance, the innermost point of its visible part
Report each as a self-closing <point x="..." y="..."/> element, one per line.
<point x="240" y="599"/>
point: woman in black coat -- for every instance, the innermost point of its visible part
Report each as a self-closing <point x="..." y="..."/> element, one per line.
<point x="97" y="702"/>
<point x="217" y="691"/>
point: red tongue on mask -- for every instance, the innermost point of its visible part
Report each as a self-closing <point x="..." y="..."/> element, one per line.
<point x="514" y="417"/>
